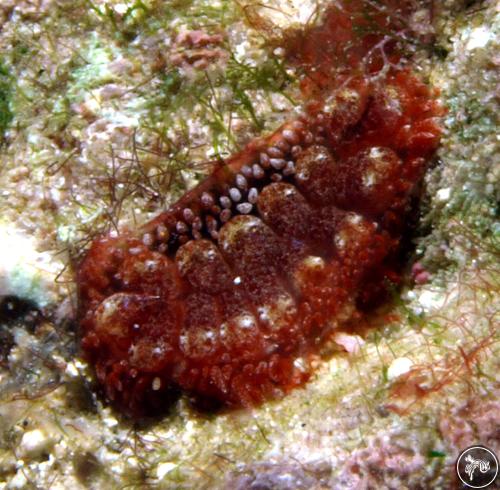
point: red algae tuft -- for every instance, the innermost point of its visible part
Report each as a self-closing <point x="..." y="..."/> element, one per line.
<point x="228" y="294"/>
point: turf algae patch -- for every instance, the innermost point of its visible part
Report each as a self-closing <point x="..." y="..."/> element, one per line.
<point x="6" y="114"/>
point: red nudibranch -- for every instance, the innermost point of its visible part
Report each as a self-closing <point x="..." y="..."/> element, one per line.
<point x="227" y="294"/>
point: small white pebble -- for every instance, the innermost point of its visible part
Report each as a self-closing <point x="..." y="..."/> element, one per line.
<point x="34" y="443"/>
<point x="163" y="469"/>
<point x="19" y="480"/>
<point x="443" y="194"/>
<point x="400" y="365"/>
<point x="351" y="343"/>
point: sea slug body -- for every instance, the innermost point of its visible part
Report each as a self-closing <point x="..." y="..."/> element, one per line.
<point x="221" y="295"/>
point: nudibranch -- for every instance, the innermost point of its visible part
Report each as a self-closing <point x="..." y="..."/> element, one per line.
<point x="228" y="294"/>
